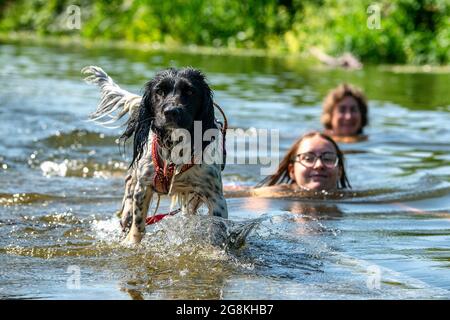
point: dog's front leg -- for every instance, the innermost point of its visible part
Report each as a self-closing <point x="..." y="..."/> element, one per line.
<point x="141" y="199"/>
<point x="142" y="194"/>
<point x="126" y="211"/>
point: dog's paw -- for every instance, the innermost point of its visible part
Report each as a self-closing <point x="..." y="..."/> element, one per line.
<point x="133" y="238"/>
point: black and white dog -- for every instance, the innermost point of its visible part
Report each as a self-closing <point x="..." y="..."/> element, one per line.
<point x="174" y="101"/>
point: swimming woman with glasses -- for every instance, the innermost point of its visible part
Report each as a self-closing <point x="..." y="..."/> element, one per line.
<point x="313" y="163"/>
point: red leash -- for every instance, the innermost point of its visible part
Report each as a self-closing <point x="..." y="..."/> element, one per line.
<point x="158" y="217"/>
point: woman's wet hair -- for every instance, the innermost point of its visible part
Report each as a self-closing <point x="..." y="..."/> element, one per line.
<point x="335" y="96"/>
<point x="282" y="173"/>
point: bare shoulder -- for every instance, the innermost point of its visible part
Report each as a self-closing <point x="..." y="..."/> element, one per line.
<point x="350" y="139"/>
<point x="233" y="191"/>
<point x="272" y="191"/>
<point x="268" y="192"/>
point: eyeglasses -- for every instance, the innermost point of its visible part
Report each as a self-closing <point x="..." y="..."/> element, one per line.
<point x="308" y="159"/>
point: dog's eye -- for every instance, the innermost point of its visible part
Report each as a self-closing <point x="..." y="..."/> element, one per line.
<point x="189" y="92"/>
<point x="160" y="92"/>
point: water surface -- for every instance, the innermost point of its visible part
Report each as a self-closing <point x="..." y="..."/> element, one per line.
<point x="62" y="181"/>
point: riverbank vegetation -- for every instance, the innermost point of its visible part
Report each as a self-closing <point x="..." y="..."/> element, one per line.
<point x="397" y="31"/>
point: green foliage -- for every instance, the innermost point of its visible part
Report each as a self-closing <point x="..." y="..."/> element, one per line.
<point x="412" y="31"/>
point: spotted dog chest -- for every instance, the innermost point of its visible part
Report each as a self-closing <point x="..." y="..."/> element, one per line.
<point x="202" y="179"/>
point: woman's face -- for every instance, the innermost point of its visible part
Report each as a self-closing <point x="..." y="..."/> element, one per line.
<point x="346" y="117"/>
<point x="315" y="167"/>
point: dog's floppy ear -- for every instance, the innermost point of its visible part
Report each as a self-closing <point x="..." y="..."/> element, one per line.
<point x="206" y="113"/>
<point x="140" y="122"/>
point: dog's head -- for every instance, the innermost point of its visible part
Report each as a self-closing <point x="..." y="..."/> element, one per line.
<point x="173" y="99"/>
<point x="177" y="98"/>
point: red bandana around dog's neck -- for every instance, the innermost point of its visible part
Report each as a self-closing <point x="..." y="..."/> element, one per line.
<point x="163" y="170"/>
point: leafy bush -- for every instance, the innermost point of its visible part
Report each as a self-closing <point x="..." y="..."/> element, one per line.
<point x="412" y="31"/>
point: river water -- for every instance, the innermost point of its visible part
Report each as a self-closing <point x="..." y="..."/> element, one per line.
<point x="62" y="180"/>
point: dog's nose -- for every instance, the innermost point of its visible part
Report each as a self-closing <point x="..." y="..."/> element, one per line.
<point x="171" y="113"/>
